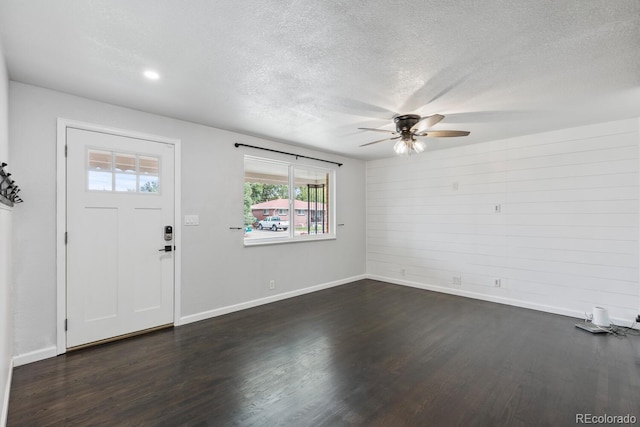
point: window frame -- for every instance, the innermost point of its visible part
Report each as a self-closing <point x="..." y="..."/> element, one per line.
<point x="290" y="236"/>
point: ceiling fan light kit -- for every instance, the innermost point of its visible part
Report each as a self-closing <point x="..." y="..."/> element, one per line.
<point x="409" y="146"/>
<point x="412" y="126"/>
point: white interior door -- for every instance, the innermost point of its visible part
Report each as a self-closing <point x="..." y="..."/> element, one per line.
<point x="120" y="272"/>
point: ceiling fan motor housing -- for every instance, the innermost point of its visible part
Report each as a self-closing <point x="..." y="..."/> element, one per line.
<point x="404" y="124"/>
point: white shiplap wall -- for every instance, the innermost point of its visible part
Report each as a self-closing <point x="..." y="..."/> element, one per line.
<point x="564" y="239"/>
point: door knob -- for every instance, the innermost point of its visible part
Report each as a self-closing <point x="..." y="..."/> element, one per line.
<point x="167" y="248"/>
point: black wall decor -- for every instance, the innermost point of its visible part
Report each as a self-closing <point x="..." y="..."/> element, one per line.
<point x="8" y="188"/>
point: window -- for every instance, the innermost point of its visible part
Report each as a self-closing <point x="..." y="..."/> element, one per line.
<point x="122" y="172"/>
<point x="272" y="189"/>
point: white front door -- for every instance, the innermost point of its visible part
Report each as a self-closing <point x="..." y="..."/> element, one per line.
<point x="120" y="264"/>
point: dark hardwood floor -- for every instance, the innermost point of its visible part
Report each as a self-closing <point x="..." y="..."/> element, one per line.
<point x="364" y="354"/>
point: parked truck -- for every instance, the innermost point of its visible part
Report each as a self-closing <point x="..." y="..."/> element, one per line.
<point x="274" y="223"/>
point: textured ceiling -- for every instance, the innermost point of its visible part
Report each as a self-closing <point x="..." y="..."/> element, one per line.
<point x="311" y="72"/>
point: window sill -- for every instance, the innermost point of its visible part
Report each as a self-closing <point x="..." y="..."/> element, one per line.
<point x="267" y="242"/>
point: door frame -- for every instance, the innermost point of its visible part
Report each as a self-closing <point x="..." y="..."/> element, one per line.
<point x="61" y="218"/>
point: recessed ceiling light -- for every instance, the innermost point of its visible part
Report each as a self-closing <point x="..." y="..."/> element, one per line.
<point x="151" y="75"/>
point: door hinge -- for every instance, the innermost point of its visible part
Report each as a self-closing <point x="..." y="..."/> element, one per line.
<point x="65" y="237"/>
<point x="66" y="324"/>
<point x="66" y="149"/>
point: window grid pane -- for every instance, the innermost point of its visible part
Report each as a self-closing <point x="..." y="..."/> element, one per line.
<point x="126" y="163"/>
<point x="312" y="197"/>
<point x="100" y="160"/>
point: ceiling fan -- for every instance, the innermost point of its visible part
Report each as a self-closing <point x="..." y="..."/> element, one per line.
<point x="412" y="126"/>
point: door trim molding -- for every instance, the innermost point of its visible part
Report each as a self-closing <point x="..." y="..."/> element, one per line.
<point x="61" y="214"/>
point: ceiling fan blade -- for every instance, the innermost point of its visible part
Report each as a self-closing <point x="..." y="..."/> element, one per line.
<point x="428" y="121"/>
<point x="379" y="130"/>
<point x="380" y="140"/>
<point x="443" y="133"/>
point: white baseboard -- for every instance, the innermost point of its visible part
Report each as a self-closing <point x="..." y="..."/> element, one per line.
<point x="35" y="356"/>
<point x="491" y="298"/>
<point x="45" y="353"/>
<point x="48" y="352"/>
<point x="261" y="301"/>
<point x="5" y="402"/>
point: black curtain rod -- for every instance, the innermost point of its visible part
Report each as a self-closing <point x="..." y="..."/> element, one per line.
<point x="237" y="144"/>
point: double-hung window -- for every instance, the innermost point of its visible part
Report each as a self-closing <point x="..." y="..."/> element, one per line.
<point x="286" y="202"/>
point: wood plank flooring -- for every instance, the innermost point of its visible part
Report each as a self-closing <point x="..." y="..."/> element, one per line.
<point x="364" y="354"/>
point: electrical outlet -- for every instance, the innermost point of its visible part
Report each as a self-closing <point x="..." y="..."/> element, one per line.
<point x="402" y="272"/>
<point x="456" y="281"/>
<point x="497" y="282"/>
<point x="272" y="284"/>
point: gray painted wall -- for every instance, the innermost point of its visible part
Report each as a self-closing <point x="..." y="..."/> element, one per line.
<point x="6" y="329"/>
<point x="218" y="272"/>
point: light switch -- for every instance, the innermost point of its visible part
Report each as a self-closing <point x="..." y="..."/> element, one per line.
<point x="191" y="220"/>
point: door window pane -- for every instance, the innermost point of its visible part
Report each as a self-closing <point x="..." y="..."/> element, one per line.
<point x="126" y="182"/>
<point x="99" y="173"/>
<point x="126" y="162"/>
<point x="100" y="160"/>
<point x="126" y="172"/>
<point x="122" y="172"/>
<point x="149" y="168"/>
<point x="100" y="181"/>
<point x="149" y="184"/>
<point x="149" y="165"/>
